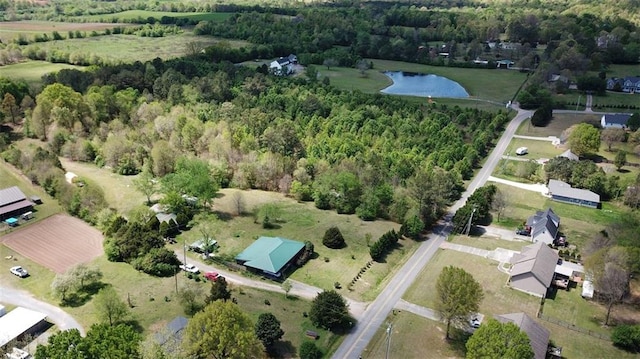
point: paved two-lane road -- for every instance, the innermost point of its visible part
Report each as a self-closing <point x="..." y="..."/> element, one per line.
<point x="355" y="343"/>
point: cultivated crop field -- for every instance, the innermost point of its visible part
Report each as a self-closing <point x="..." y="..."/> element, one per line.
<point x="58" y="242"/>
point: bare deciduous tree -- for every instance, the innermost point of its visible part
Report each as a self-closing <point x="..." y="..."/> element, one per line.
<point x="238" y="202"/>
<point x="499" y="203"/>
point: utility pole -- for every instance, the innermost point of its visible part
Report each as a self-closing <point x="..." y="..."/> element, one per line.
<point x="184" y="250"/>
<point x="470" y="219"/>
<point x="175" y="275"/>
<point x="388" y="340"/>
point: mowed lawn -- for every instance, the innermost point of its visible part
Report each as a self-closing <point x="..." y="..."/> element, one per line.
<point x="537" y="149"/>
<point x="483" y="84"/>
<point x="412" y="336"/>
<point x="498" y="298"/>
<point x="487" y="242"/>
<point x="130" y="48"/>
<point x="559" y="123"/>
<point x="303" y="222"/>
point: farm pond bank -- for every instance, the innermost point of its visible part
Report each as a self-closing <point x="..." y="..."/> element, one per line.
<point x="423" y="85"/>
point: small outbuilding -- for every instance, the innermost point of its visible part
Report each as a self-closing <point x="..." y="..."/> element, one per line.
<point x="270" y="255"/>
<point x="171" y="335"/>
<point x="563" y="192"/>
<point x="19" y="322"/>
<point x="617" y="120"/>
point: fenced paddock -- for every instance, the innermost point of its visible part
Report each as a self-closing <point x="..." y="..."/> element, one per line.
<point x="58" y="242"/>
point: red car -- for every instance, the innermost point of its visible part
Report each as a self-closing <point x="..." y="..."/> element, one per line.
<point x="212" y="276"/>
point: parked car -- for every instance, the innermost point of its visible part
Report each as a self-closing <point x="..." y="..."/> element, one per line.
<point x="522" y="232"/>
<point x="190" y="268"/>
<point x="521" y="151"/>
<point x="19" y="271"/>
<point x="212" y="276"/>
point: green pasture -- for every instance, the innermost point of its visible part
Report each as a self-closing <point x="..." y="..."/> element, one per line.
<point x="32" y="71"/>
<point x="498" y="298"/>
<point x="130" y="15"/>
<point x="414" y="337"/>
<point x="303" y="222"/>
<point x="578" y="100"/>
<point x="131" y="48"/>
<point x="481" y="84"/>
<point x="623" y="70"/>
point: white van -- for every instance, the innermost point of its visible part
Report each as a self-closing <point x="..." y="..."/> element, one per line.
<point x="27" y="215"/>
<point x="522" y="151"/>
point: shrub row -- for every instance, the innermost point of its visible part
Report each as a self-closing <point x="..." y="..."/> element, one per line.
<point x="383" y="245"/>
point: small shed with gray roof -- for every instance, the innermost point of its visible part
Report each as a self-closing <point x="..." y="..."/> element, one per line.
<point x="563" y="192"/>
<point x="538" y="335"/>
<point x="532" y="270"/>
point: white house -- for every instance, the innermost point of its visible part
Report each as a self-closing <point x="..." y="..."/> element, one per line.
<point x="618" y="120"/>
<point x="282" y="66"/>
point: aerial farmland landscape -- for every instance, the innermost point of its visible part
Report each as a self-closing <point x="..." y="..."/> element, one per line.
<point x="319" y="179"/>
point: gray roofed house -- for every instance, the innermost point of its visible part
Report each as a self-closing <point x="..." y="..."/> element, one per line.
<point x="13" y="202"/>
<point x="538" y="335"/>
<point x="569" y="155"/>
<point x="543" y="226"/>
<point x="171" y="335"/>
<point x="616" y="120"/>
<point x="563" y="192"/>
<point x="532" y="270"/>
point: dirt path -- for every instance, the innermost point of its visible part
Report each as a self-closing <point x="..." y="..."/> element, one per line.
<point x="25" y="299"/>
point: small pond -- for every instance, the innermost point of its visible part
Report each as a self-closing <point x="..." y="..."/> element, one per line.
<point x="423" y="85"/>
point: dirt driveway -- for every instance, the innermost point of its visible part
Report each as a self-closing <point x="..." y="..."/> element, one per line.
<point x="58" y="242"/>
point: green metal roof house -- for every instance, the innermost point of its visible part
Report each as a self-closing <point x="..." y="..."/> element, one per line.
<point x="271" y="255"/>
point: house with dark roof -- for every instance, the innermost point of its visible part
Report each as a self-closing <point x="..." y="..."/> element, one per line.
<point x="617" y="120"/>
<point x="563" y="192"/>
<point x="13" y="203"/>
<point x="270" y="255"/>
<point x="533" y="269"/>
<point x="282" y="66"/>
<point x="543" y="226"/>
<point x="628" y="84"/>
<point x="538" y="335"/>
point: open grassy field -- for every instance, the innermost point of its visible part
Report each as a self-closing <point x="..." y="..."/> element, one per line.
<point x="12" y="29"/>
<point x="413" y="337"/>
<point x="559" y="123"/>
<point x="537" y="149"/>
<point x="611" y="101"/>
<point x="118" y="190"/>
<point x="487" y="242"/>
<point x="493" y="85"/>
<point x="498" y="298"/>
<point x="132" y="15"/>
<point x="130" y="48"/>
<point x="623" y="70"/>
<point x="302" y="222"/>
<point x="32" y="71"/>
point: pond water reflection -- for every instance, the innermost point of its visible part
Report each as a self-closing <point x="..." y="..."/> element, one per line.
<point x="423" y="85"/>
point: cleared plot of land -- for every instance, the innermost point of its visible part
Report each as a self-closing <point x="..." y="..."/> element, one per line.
<point x="498" y="298"/>
<point x="58" y="242"/>
<point x="118" y="190"/>
<point x="32" y="71"/>
<point x="130" y="48"/>
<point x="487" y="242"/>
<point x="413" y="337"/>
<point x="559" y="123"/>
<point x="611" y="101"/>
<point x="537" y="149"/>
<point x="494" y="85"/>
<point x="303" y="222"/>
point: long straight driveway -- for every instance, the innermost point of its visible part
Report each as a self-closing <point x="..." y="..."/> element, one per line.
<point x="354" y="344"/>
